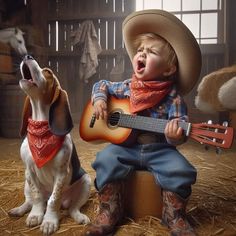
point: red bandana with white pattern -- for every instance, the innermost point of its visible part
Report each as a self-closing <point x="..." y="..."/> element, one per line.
<point x="146" y="94"/>
<point x="43" y="144"/>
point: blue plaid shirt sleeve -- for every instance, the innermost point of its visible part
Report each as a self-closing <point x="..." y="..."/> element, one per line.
<point x="178" y="109"/>
<point x="103" y="88"/>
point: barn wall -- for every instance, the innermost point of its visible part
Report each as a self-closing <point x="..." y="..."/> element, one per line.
<point x="231" y="30"/>
<point x="213" y="58"/>
<point x="232" y="46"/>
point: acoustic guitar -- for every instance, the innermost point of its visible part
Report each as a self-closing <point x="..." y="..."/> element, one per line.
<point x="120" y="122"/>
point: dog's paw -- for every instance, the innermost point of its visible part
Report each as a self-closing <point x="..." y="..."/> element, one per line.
<point x="49" y="226"/>
<point x="15" y="212"/>
<point x="34" y="220"/>
<point x="21" y="210"/>
<point x="50" y="222"/>
<point x="79" y="217"/>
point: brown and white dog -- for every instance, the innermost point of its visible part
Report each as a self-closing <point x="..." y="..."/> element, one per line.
<point x="53" y="175"/>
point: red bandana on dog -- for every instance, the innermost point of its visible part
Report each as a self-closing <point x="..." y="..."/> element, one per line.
<point x="146" y="94"/>
<point x="43" y="144"/>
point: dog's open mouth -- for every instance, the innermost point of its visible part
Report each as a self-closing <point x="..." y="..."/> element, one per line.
<point x="27" y="74"/>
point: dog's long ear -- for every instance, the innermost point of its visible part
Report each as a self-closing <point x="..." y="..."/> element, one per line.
<point x="27" y="112"/>
<point x="60" y="120"/>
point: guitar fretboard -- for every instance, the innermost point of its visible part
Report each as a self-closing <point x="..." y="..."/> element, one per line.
<point x="148" y="123"/>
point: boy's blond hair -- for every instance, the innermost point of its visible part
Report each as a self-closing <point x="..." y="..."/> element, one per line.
<point x="171" y="56"/>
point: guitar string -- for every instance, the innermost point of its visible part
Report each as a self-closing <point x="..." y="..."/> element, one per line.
<point x="135" y="121"/>
<point x="148" y="123"/>
<point x="146" y="120"/>
<point x="143" y="120"/>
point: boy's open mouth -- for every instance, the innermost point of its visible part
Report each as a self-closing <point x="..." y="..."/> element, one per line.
<point x="141" y="65"/>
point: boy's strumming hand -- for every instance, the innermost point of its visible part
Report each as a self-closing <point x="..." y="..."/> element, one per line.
<point x="100" y="109"/>
<point x="173" y="133"/>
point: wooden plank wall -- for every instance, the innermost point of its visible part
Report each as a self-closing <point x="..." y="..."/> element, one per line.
<point x="2" y="10"/>
<point x="232" y="47"/>
<point x="213" y="58"/>
<point x="67" y="15"/>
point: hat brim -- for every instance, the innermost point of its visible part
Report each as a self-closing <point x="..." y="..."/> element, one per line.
<point x="176" y="33"/>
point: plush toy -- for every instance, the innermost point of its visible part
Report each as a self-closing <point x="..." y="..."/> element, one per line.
<point x="217" y="91"/>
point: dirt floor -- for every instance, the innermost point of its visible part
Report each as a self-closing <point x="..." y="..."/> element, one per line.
<point x="211" y="209"/>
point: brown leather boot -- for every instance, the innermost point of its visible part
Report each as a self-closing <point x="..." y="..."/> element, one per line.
<point x="110" y="210"/>
<point x="174" y="214"/>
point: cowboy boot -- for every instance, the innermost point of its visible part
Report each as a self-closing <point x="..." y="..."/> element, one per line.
<point x="110" y="210"/>
<point x="174" y="214"/>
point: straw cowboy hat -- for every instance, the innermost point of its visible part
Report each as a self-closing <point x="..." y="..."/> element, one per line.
<point x="176" y="33"/>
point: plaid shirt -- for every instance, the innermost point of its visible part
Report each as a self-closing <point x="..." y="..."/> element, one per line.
<point x="171" y="107"/>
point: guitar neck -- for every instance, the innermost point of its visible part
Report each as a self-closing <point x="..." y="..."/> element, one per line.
<point x="148" y="123"/>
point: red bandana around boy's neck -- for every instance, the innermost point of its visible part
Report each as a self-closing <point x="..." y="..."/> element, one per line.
<point x="43" y="144"/>
<point x="146" y="94"/>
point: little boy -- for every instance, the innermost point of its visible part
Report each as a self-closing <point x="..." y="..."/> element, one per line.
<point x="166" y="62"/>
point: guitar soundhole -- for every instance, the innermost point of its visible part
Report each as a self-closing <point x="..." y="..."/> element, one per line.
<point x="114" y="119"/>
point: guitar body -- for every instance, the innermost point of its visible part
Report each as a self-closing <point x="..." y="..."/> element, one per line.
<point x="103" y="130"/>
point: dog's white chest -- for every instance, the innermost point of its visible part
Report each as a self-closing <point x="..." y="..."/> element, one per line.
<point x="46" y="175"/>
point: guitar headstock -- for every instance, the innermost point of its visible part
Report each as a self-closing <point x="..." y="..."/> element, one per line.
<point x="220" y="136"/>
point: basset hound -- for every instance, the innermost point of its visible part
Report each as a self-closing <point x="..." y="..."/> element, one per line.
<point x="54" y="178"/>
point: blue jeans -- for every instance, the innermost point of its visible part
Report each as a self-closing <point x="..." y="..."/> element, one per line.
<point x="169" y="167"/>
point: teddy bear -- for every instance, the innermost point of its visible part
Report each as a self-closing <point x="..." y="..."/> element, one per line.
<point x="217" y="91"/>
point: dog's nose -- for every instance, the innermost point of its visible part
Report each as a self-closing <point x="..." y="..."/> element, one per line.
<point x="28" y="57"/>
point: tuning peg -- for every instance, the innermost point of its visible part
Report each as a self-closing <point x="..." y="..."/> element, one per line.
<point x="206" y="147"/>
<point x="218" y="150"/>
